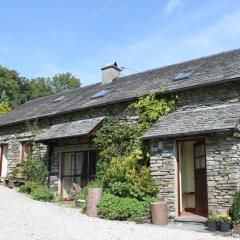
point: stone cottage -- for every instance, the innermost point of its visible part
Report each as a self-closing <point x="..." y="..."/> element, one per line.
<point x="195" y="150"/>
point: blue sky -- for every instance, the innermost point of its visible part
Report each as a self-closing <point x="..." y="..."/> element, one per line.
<point x="45" y="37"/>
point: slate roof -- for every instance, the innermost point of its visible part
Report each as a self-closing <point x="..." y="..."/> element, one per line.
<point x="214" y="69"/>
<point x="70" y="129"/>
<point x="196" y="122"/>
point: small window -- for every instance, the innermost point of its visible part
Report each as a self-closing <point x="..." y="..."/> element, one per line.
<point x="26" y="151"/>
<point x="59" y="99"/>
<point x="102" y="93"/>
<point x="183" y="75"/>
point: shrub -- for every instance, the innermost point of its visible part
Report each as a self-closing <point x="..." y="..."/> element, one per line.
<point x="236" y="206"/>
<point x="28" y="187"/>
<point x="125" y="189"/>
<point x="42" y="193"/>
<point x="18" y="171"/>
<point x="116" y="208"/>
<point x="129" y="169"/>
<point x="35" y="170"/>
<point x="84" y="191"/>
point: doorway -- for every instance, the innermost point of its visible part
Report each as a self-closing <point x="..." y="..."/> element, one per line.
<point x="192" y="178"/>
<point x="4" y="160"/>
<point x="77" y="168"/>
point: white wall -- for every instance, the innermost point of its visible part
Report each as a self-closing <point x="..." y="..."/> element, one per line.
<point x="4" y="160"/>
<point x="187" y="175"/>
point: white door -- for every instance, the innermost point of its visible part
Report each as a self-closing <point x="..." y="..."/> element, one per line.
<point x="4" y="160"/>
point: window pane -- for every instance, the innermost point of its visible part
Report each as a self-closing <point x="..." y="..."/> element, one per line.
<point x="67" y="164"/>
<point x="79" y="163"/>
<point x="92" y="164"/>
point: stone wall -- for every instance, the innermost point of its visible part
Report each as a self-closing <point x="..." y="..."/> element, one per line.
<point x="209" y="96"/>
<point x="161" y="168"/>
<point x="163" y="172"/>
<point x="222" y="166"/>
<point x="14" y="136"/>
<point x="223" y="170"/>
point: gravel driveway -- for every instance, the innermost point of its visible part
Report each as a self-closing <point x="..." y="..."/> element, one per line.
<point x="22" y="218"/>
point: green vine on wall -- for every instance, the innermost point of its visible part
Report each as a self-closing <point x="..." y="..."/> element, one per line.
<point x="123" y="156"/>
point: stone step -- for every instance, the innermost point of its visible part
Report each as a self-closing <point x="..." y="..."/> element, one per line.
<point x="191" y="219"/>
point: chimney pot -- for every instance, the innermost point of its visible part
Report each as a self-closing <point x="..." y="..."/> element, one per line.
<point x="109" y="72"/>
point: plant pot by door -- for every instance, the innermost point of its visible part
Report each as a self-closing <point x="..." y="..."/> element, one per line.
<point x="212" y="226"/>
<point x="225" y="227"/>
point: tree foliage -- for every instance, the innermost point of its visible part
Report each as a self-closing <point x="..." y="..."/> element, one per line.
<point x="15" y="89"/>
<point x="10" y="83"/>
<point x="63" y="82"/>
<point x="4" y="108"/>
<point x="39" y="87"/>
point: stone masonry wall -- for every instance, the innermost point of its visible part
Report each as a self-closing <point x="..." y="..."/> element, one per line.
<point x="223" y="170"/>
<point x="209" y="96"/>
<point x="205" y="96"/>
<point x="14" y="136"/>
<point x="163" y="172"/>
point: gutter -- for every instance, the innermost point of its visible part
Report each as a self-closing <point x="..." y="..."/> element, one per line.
<point x="188" y="134"/>
<point x="122" y="101"/>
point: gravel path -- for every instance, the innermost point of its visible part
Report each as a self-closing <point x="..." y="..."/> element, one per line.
<point x="22" y="218"/>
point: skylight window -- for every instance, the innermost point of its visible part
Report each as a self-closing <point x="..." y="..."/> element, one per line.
<point x="183" y="75"/>
<point x="59" y="99"/>
<point x="100" y="94"/>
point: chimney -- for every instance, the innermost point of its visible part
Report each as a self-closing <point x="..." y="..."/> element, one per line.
<point x="109" y="72"/>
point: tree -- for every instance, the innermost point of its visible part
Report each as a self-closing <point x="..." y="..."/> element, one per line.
<point x="10" y="82"/>
<point x="64" y="81"/>
<point x="39" y="87"/>
<point x="17" y="90"/>
<point x="4" y="108"/>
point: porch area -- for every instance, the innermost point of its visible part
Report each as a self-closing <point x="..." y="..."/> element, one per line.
<point x="72" y="155"/>
<point x="194" y="160"/>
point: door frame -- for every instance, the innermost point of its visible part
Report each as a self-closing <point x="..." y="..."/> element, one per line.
<point x="199" y="139"/>
<point x="1" y="159"/>
<point x="204" y="146"/>
<point x="88" y="177"/>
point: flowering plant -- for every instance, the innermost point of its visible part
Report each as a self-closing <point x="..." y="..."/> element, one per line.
<point x="223" y="218"/>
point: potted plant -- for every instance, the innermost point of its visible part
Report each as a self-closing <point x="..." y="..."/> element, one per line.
<point x="225" y="223"/>
<point x="212" y="223"/>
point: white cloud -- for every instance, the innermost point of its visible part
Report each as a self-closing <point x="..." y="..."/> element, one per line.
<point x="160" y="49"/>
<point x="172" y="5"/>
<point x="226" y="30"/>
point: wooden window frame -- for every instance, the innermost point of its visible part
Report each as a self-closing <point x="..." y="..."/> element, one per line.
<point x="26" y="154"/>
<point x="87" y="175"/>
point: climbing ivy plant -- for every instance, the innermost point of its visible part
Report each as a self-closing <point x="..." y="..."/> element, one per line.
<point x="123" y="157"/>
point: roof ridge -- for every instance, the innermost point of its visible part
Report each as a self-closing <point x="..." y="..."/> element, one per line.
<point x="180" y="63"/>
